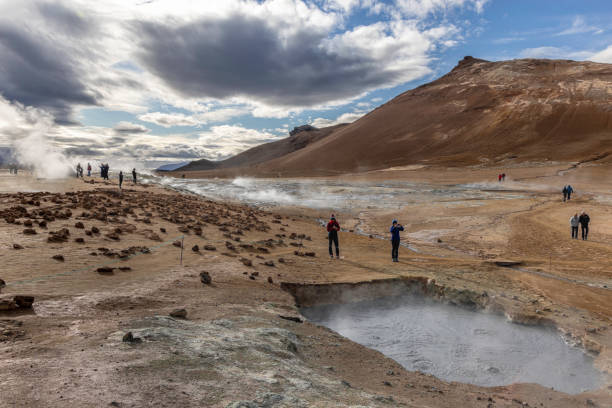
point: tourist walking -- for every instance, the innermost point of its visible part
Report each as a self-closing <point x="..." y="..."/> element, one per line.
<point x="134" y="175"/>
<point x="120" y="179"/>
<point x="584" y="225"/>
<point x="574" y="221"/>
<point x="332" y="234"/>
<point x="395" y="239"/>
<point x="503" y="176"/>
<point x="88" y="170"/>
<point x="570" y="190"/>
<point x="564" y="193"/>
<point x="79" y="170"/>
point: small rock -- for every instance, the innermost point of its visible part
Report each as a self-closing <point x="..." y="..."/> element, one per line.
<point x="269" y="263"/>
<point x="95" y="230"/>
<point x="195" y="248"/>
<point x="125" y="268"/>
<point x="7" y="304"/>
<point x="210" y="247"/>
<point x="58" y="258"/>
<point x="162" y="230"/>
<point x="246" y="262"/>
<point x="24" y="301"/>
<point x="177" y="244"/>
<point x="205" y="278"/>
<point x="270" y="279"/>
<point x="387" y="383"/>
<point x="79" y="240"/>
<point x="179" y="313"/>
<point x="129" y="338"/>
<point x="79" y="225"/>
<point x="105" y="269"/>
<point x="29" y="231"/>
<point x="17" y="246"/>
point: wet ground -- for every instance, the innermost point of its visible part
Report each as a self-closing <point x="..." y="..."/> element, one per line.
<point x="456" y="344"/>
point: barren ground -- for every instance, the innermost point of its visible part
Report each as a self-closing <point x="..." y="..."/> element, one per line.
<point x="234" y="349"/>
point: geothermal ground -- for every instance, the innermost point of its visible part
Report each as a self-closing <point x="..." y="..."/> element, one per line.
<point x="118" y="320"/>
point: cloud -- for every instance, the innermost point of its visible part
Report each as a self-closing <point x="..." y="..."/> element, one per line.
<point x="554" y="53"/>
<point x="604" y="56"/>
<point x="169" y="119"/>
<point x="257" y="58"/>
<point x="130" y="128"/>
<point x="421" y="8"/>
<point x="348" y="117"/>
<point x="579" y="26"/>
<point x="224" y="141"/>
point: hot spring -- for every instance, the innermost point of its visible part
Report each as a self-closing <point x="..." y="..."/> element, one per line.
<point x="455" y="344"/>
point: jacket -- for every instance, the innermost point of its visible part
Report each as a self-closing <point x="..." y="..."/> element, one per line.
<point x="574" y="221"/>
<point x="584" y="219"/>
<point x="395" y="232"/>
<point x="333" y="226"/>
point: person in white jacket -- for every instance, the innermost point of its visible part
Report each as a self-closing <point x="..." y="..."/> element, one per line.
<point x="574" y="221"/>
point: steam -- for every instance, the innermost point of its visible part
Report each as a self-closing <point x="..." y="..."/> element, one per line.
<point x="26" y="129"/>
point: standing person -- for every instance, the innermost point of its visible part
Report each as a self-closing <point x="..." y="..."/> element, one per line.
<point x="395" y="239"/>
<point x="574" y="224"/>
<point x="88" y="170"/>
<point x="584" y="224"/>
<point x="120" y="179"/>
<point x="503" y="176"/>
<point x="564" y="193"/>
<point x="332" y="234"/>
<point x="134" y="175"/>
<point x="570" y="190"/>
<point x="499" y="177"/>
<point x="78" y="170"/>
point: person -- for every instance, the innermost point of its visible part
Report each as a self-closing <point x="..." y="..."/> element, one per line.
<point x="499" y="177"/>
<point x="395" y="239"/>
<point x="503" y="176"/>
<point x="584" y="225"/>
<point x="88" y="170"/>
<point x="564" y="193"/>
<point x="570" y="190"/>
<point x="120" y="179"/>
<point x="574" y="225"/>
<point x="332" y="234"/>
<point x="134" y="175"/>
<point x="79" y="169"/>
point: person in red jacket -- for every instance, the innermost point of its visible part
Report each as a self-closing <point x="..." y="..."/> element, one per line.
<point x="332" y="234"/>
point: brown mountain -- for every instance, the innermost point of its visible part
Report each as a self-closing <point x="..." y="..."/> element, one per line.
<point x="479" y="113"/>
<point x="299" y="138"/>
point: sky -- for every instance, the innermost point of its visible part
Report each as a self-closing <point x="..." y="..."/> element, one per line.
<point x="163" y="81"/>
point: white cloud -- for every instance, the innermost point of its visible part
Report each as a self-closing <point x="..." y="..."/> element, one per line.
<point x="421" y="8"/>
<point x="554" y="53"/>
<point x="604" y="56"/>
<point x="124" y="127"/>
<point x="223" y="141"/>
<point x="579" y="26"/>
<point x="169" y="119"/>
<point x="348" y="117"/>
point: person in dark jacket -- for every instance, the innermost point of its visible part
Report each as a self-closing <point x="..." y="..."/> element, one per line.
<point x="570" y="190"/>
<point x="332" y="234"/>
<point x="395" y="239"/>
<point x="584" y="225"/>
<point x="564" y="193"/>
<point x="120" y="179"/>
<point x="134" y="175"/>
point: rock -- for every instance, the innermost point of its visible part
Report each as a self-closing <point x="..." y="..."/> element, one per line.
<point x="210" y="247"/>
<point x="95" y="230"/>
<point x="2" y="284"/>
<point x="179" y="313"/>
<point x="154" y="237"/>
<point x="269" y="263"/>
<point x="270" y="279"/>
<point x="29" y="231"/>
<point x="79" y="225"/>
<point x="59" y="236"/>
<point x="79" y="240"/>
<point x="205" y="278"/>
<point x="281" y="260"/>
<point x="7" y="305"/>
<point x="246" y="262"/>
<point x="113" y="236"/>
<point x="311" y="254"/>
<point x="162" y="230"/>
<point x="177" y="244"/>
<point x="17" y="246"/>
<point x="58" y="257"/>
<point x="24" y="301"/>
<point x="42" y="224"/>
<point x="195" y="248"/>
<point x="125" y="268"/>
<point x="105" y="269"/>
<point x="129" y="338"/>
<point x="291" y="318"/>
<point x="387" y="383"/>
<point x="27" y="223"/>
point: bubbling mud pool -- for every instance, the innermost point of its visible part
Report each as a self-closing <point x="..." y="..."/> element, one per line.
<point x="455" y="344"/>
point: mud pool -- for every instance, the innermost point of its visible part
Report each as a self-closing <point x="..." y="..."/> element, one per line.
<point x="455" y="344"/>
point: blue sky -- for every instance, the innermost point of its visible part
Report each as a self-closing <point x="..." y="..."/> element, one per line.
<point x="165" y="81"/>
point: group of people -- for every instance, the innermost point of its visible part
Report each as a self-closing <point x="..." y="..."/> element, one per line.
<point x="501" y="177"/>
<point x="13" y="168"/>
<point x="567" y="193"/>
<point x="332" y="234"/>
<point x="104" y="170"/>
<point x="583" y="220"/>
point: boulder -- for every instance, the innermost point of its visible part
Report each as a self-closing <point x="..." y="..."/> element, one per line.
<point x="179" y="313"/>
<point x="17" y="246"/>
<point x="205" y="278"/>
<point x="24" y="301"/>
<point x="58" y="257"/>
<point x="29" y="231"/>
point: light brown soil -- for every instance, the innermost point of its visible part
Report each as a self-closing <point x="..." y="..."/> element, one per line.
<point x="68" y="351"/>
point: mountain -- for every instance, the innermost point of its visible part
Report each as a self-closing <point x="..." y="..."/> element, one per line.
<point x="299" y="138"/>
<point x="171" y="166"/>
<point x="482" y="112"/>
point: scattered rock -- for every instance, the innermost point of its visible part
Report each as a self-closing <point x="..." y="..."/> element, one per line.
<point x="195" y="248"/>
<point x="2" y="284"/>
<point x="311" y="254"/>
<point x="95" y="230"/>
<point x="246" y="261"/>
<point x="59" y="236"/>
<point x="105" y="269"/>
<point x="113" y="235"/>
<point x="129" y="338"/>
<point x="210" y="247"/>
<point x="7" y="305"/>
<point x="79" y="224"/>
<point x="17" y="246"/>
<point x="270" y="279"/>
<point x="29" y="231"/>
<point x="24" y="301"/>
<point x="291" y="318"/>
<point x="125" y="268"/>
<point x="281" y="260"/>
<point x="58" y="257"/>
<point x="162" y="230"/>
<point x="179" y="313"/>
<point x="177" y="244"/>
<point x="269" y="263"/>
<point x="205" y="278"/>
<point x="79" y="240"/>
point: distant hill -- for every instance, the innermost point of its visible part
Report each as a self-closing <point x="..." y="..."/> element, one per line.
<point x="300" y="138"/>
<point x="171" y="166"/>
<point x="480" y="113"/>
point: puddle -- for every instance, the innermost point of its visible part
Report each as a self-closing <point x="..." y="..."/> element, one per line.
<point x="455" y="344"/>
